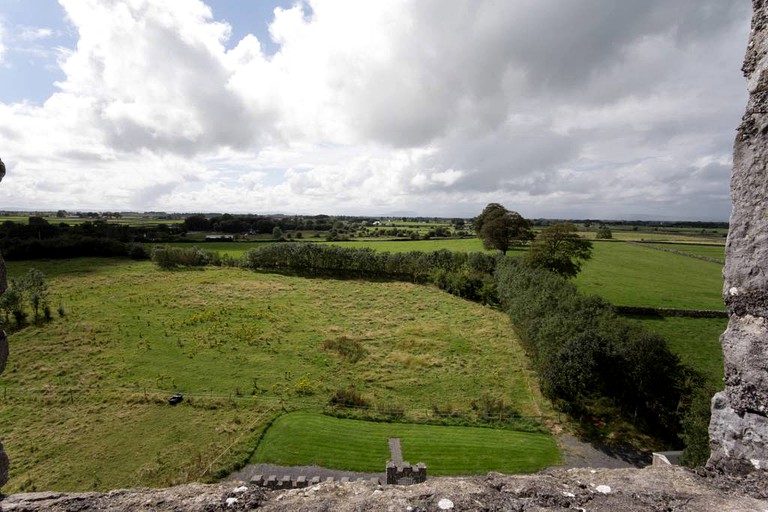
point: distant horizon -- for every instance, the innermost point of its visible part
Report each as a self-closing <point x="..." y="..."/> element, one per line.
<point x="376" y="215"/>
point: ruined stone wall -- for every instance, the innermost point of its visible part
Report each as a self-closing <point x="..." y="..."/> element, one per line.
<point x="3" y="353"/>
<point x="739" y="427"/>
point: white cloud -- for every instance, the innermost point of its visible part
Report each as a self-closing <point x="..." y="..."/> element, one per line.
<point x="434" y="107"/>
<point x="34" y="33"/>
<point x="2" y="41"/>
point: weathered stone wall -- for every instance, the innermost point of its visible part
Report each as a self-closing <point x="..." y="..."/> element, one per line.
<point x="739" y="428"/>
<point x="3" y="353"/>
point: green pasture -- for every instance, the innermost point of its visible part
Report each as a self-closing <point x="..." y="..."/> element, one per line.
<point x="452" y="244"/>
<point x="710" y="251"/>
<point x="695" y="340"/>
<point x="84" y="397"/>
<point x="634" y="275"/>
<point x="306" y="439"/>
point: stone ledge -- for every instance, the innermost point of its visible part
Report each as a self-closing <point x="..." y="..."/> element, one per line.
<point x="652" y="488"/>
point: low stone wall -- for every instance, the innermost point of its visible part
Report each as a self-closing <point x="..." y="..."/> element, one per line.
<point x="288" y="482"/>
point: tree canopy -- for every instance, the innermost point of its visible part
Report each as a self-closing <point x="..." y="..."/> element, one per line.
<point x="560" y="249"/>
<point x="500" y="228"/>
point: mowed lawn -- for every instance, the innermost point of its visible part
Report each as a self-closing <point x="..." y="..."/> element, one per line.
<point x="307" y="439"/>
<point x="633" y="275"/>
<point x="85" y="403"/>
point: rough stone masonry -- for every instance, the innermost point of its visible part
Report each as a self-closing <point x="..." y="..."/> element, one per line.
<point x="738" y="430"/>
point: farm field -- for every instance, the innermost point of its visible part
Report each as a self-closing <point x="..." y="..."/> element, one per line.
<point x="633" y="275"/>
<point x="237" y="249"/>
<point x="695" y="340"/>
<point x="313" y="439"/>
<point x="710" y="251"/>
<point x="85" y="395"/>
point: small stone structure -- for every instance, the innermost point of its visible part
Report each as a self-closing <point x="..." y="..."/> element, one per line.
<point x="738" y="431"/>
<point x="405" y="474"/>
<point x="288" y="482"/>
<point x="400" y="472"/>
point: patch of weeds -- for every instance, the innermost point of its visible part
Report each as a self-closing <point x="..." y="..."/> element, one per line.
<point x="348" y="348"/>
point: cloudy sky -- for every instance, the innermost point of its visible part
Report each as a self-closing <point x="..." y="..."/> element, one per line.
<point x="580" y="108"/>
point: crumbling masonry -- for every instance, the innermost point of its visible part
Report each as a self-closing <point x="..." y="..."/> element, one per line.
<point x="738" y="430"/>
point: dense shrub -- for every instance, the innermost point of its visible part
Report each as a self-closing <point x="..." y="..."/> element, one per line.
<point x="585" y="353"/>
<point x="420" y="267"/>
<point x="168" y="257"/>
<point x="63" y="247"/>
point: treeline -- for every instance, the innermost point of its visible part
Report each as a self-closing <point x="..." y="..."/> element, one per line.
<point x="41" y="239"/>
<point x="467" y="275"/>
<point x="591" y="361"/>
<point x="264" y="224"/>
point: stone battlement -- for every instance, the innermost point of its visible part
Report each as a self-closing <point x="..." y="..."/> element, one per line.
<point x="288" y="482"/>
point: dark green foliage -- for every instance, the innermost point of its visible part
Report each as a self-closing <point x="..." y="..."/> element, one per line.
<point x="29" y="290"/>
<point x="167" y="257"/>
<point x="559" y="248"/>
<point x="695" y="424"/>
<point x="63" y="247"/>
<point x="420" y="267"/>
<point x="137" y="251"/>
<point x="586" y="355"/>
<point x="500" y="228"/>
<point x="604" y="232"/>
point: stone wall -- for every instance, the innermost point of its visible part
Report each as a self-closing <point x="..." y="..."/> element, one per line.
<point x="738" y="430"/>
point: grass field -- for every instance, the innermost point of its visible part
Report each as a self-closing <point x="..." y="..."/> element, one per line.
<point x="305" y="439"/>
<point x="710" y="251"/>
<point x="695" y="340"/>
<point x="84" y="404"/>
<point x="633" y="275"/>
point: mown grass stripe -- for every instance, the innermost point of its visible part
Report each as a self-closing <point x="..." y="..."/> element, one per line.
<point x="306" y="438"/>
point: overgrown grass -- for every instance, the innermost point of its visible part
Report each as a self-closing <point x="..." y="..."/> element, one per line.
<point x="633" y="275"/>
<point x="304" y="439"/>
<point x="85" y="404"/>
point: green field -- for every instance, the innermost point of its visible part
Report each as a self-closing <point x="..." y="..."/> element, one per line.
<point x="305" y="439"/>
<point x="634" y="275"/>
<point x="695" y="340"/>
<point x="84" y="404"/>
<point x="710" y="251"/>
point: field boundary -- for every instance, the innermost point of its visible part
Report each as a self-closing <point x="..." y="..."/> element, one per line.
<point x="680" y="253"/>
<point x="688" y="313"/>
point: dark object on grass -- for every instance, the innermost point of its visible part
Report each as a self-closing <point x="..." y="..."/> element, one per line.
<point x="175" y="399"/>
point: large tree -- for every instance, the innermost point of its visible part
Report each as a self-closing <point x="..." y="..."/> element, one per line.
<point x="500" y="228"/>
<point x="559" y="248"/>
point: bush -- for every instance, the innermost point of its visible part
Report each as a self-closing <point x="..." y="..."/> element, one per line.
<point x="348" y="398"/>
<point x="585" y="354"/>
<point x="167" y="257"/>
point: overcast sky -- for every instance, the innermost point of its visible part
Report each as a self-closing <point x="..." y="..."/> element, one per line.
<point x="569" y="109"/>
